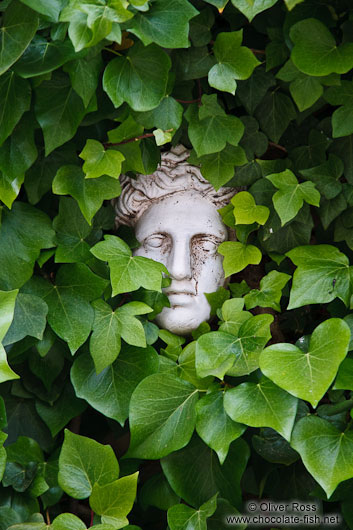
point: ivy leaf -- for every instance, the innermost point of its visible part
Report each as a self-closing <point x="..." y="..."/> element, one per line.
<point x="309" y="287"/>
<point x="84" y="462"/>
<point x="270" y="292"/>
<point x="196" y="483"/>
<point x="182" y="517"/>
<point x="114" y="501"/>
<point x="140" y="79"/>
<point x="89" y="193"/>
<point x="344" y="378"/>
<point x="29" y="318"/>
<point x="166" y="23"/>
<point x="50" y="10"/>
<point x="326" y="452"/>
<point x="67" y="521"/>
<point x="326" y="176"/>
<point x="167" y="115"/>
<point x="58" y="415"/>
<point x="291" y="195"/>
<point x="58" y="121"/>
<point x="219" y="353"/>
<point x="251" y="8"/>
<point x="237" y="256"/>
<point x="43" y="56"/>
<point x="218" y="168"/>
<point x="17" y="154"/>
<point x="111" y="390"/>
<point x="210" y="128"/>
<point x="252" y="91"/>
<point x="162" y="416"/>
<point x="315" y="51"/>
<point x="214" y="426"/>
<point x="84" y="75"/>
<point x="15" y="99"/>
<point x="234" y="61"/>
<point x="100" y="161"/>
<point x="7" y="305"/>
<point x="308" y="375"/>
<point x="246" y="211"/>
<point x="262" y="405"/>
<point x="108" y="328"/>
<point x="128" y="273"/>
<point x="71" y="231"/>
<point x="24" y="231"/>
<point x="70" y="313"/>
<point x="19" y="27"/>
<point x="274" y="114"/>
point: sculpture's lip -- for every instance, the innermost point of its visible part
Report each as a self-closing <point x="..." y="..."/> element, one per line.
<point x="180" y="298"/>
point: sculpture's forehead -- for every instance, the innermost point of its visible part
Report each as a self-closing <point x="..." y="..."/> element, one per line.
<point x="183" y="211"/>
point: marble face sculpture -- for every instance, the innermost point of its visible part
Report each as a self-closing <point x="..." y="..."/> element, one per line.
<point x="174" y="213"/>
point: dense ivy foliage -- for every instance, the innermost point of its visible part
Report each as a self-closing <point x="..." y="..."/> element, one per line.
<point x="165" y="431"/>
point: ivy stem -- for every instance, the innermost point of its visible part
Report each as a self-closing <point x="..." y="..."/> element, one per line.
<point x="92" y="518"/>
<point x="188" y="101"/>
<point x="113" y="51"/>
<point x="342" y="406"/>
<point x="47" y="517"/>
<point x="257" y="52"/>
<point x="135" y="139"/>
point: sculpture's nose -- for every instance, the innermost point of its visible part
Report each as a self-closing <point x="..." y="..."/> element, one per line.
<point x="179" y="262"/>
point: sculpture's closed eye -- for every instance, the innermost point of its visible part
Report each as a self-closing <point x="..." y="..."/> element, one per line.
<point x="155" y="241"/>
<point x="207" y="243"/>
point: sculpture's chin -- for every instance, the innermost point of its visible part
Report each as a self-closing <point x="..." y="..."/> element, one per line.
<point x="182" y="320"/>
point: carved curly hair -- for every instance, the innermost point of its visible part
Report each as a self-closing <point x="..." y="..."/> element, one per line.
<point x="174" y="174"/>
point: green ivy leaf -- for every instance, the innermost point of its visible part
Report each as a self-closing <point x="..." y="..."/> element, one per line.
<point x="251" y="8"/>
<point x="326" y="176"/>
<point x="219" y="353"/>
<point x="344" y="378"/>
<point x="83" y="463"/>
<point x="246" y="211"/>
<point x="214" y="426"/>
<point x="108" y="328"/>
<point x="100" y="161"/>
<point x="89" y="193"/>
<point x="326" y="452"/>
<point x="195" y="482"/>
<point x="274" y="114"/>
<point x="67" y="521"/>
<point x="309" y="287"/>
<point x="162" y="416"/>
<point x="15" y="99"/>
<point x="270" y="292"/>
<point x="70" y="312"/>
<point x="84" y="74"/>
<point x="167" y="115"/>
<point x="218" y="168"/>
<point x="71" y="231"/>
<point x="111" y="390"/>
<point x="43" y="56"/>
<point x="308" y="375"/>
<point x="237" y="256"/>
<point x="262" y="405"/>
<point x="233" y="61"/>
<point x="182" y="517"/>
<point x="210" y="128"/>
<point x="17" y="154"/>
<point x="315" y="51"/>
<point x="128" y="273"/>
<point x="19" y="27"/>
<point x="166" y="23"/>
<point x="140" y="79"/>
<point x="50" y="10"/>
<point x="24" y="231"/>
<point x="291" y="195"/>
<point x="29" y="318"/>
<point x="114" y="501"/>
<point x="59" y="122"/>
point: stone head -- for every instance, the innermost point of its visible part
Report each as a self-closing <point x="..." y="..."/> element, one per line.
<point x="175" y="215"/>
